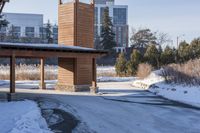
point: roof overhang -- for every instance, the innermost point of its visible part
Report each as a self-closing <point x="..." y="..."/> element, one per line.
<point x="47" y="51"/>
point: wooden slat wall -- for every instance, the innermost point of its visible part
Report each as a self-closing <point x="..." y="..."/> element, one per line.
<point x="85" y="38"/>
<point x="85" y="25"/>
<point x="76" y="27"/>
<point x="66" y="24"/>
<point x="84" y="71"/>
<point x="66" y="71"/>
<point x="76" y="24"/>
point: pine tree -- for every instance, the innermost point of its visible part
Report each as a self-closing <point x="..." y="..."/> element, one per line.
<point x="183" y="52"/>
<point x="152" y="56"/>
<point x="135" y="60"/>
<point x="195" y="48"/>
<point x="49" y="32"/>
<point x="3" y="23"/>
<point x="120" y="65"/>
<point x="107" y="35"/>
<point x="167" y="56"/>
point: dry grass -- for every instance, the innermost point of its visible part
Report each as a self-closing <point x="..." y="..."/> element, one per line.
<point x="144" y="70"/>
<point x="28" y="72"/>
<point x="108" y="71"/>
<point x="187" y="73"/>
<point x="32" y="72"/>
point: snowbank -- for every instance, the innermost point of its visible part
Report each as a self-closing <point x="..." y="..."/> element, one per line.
<point x="155" y="84"/>
<point x="22" y="117"/>
<point x="114" y="79"/>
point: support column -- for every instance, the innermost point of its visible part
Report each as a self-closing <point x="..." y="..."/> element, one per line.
<point x="12" y="74"/>
<point x="11" y="94"/>
<point x="94" y="88"/>
<point x="42" y="83"/>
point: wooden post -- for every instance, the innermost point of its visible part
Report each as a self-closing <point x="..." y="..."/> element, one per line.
<point x="94" y="79"/>
<point x="42" y="83"/>
<point x="12" y="74"/>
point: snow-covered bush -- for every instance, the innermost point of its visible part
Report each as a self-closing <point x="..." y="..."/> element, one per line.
<point x="144" y="70"/>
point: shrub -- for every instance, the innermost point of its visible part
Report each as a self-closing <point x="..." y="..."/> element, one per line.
<point x="187" y="73"/>
<point x="152" y="56"/>
<point x="144" y="70"/>
<point x="132" y="65"/>
<point x="120" y="65"/>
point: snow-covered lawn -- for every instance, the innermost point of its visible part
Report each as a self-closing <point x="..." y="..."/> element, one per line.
<point x="181" y="93"/>
<point x="21" y="117"/>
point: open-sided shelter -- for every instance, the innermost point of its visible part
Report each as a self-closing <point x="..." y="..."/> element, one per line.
<point x="75" y="52"/>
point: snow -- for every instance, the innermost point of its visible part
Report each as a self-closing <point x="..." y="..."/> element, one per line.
<point x="48" y="46"/>
<point x="22" y="117"/>
<point x="117" y="108"/>
<point x="177" y="92"/>
<point x="104" y="69"/>
<point x="114" y="79"/>
<point x="126" y="110"/>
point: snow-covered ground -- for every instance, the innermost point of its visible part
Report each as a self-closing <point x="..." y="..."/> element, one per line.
<point x="119" y="108"/>
<point x="21" y="117"/>
<point x="156" y="84"/>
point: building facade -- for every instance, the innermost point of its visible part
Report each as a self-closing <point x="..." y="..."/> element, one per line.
<point x="119" y="15"/>
<point x="27" y="26"/>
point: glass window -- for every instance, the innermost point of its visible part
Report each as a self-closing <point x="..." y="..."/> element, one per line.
<point x="119" y="16"/>
<point x="16" y="31"/>
<point x="30" y="31"/>
<point x="55" y="33"/>
<point x="102" y="14"/>
<point x="96" y="15"/>
<point x="42" y="32"/>
<point x="96" y="31"/>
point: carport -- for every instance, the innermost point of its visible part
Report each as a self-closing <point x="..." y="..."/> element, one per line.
<point x="64" y="54"/>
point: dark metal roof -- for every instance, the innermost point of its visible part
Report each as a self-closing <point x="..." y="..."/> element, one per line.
<point x="50" y="47"/>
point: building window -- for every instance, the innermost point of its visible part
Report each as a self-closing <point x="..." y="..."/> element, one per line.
<point x="16" y="31"/>
<point x="102" y="14"/>
<point x="55" y="33"/>
<point x="119" y="16"/>
<point x="3" y="30"/>
<point x="96" y="15"/>
<point x="96" y="31"/>
<point x="30" y="31"/>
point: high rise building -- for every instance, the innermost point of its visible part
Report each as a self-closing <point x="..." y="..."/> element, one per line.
<point x="119" y="15"/>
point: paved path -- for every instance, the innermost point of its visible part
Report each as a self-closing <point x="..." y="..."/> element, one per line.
<point x="119" y="108"/>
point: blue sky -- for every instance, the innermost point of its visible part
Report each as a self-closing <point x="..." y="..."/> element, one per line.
<point x="175" y="17"/>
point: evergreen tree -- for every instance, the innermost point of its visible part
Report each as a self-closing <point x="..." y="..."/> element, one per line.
<point x="107" y="35"/>
<point x="167" y="56"/>
<point x="195" y="49"/>
<point x="152" y="56"/>
<point x="3" y="23"/>
<point x="183" y="52"/>
<point x="135" y="60"/>
<point x="120" y="66"/>
<point x="49" y="33"/>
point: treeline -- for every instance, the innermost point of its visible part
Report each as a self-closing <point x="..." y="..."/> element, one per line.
<point x="157" y="57"/>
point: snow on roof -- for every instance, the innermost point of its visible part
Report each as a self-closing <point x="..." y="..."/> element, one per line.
<point x="49" y="47"/>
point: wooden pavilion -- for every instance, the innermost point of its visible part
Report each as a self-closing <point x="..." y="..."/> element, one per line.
<point x="75" y="52"/>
